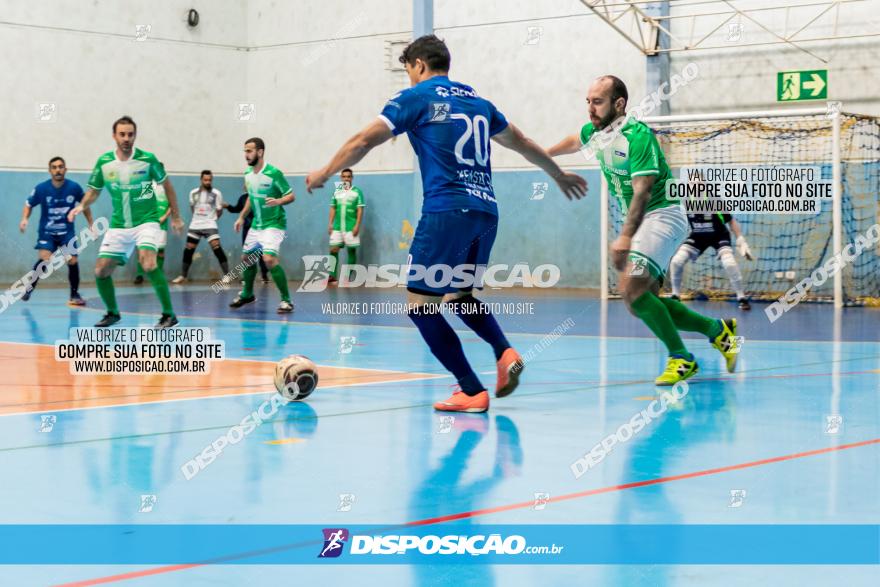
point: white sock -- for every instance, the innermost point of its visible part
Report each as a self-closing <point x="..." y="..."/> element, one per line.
<point x="676" y="269"/>
<point x="728" y="261"/>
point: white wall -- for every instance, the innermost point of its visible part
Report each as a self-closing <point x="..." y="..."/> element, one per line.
<point x="179" y="84"/>
<point x="740" y="77"/>
<point x="319" y="74"/>
<point x="318" y="90"/>
<point x="540" y="87"/>
<point x="317" y="71"/>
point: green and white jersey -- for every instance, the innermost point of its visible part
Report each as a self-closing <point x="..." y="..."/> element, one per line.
<point x="346" y="202"/>
<point x="629" y="152"/>
<point x="130" y="184"/>
<point x="268" y="183"/>
<point x="161" y="203"/>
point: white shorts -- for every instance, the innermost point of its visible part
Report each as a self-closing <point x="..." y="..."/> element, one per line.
<point x="338" y="238"/>
<point x="661" y="233"/>
<point x="163" y="239"/>
<point x="267" y="239"/>
<point x="119" y="243"/>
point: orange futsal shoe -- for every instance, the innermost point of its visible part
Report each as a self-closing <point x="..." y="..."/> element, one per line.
<point x="510" y="367"/>
<point x="462" y="402"/>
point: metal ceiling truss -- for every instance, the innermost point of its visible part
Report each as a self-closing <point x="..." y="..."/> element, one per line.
<point x="638" y="23"/>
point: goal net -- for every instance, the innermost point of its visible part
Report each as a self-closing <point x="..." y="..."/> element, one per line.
<point x="787" y="247"/>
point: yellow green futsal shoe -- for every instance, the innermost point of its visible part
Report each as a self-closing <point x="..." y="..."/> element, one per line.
<point x="677" y="369"/>
<point x="727" y="343"/>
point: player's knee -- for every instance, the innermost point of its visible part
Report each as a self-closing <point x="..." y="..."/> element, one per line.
<point x="149" y="265"/>
<point x="103" y="268"/>
<point x="71" y="261"/>
<point x="334" y="250"/>
<point x="634" y="288"/>
<point x="270" y="261"/>
<point x="725" y="255"/>
<point x="680" y="259"/>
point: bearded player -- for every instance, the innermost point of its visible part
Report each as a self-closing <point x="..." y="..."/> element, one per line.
<point x="636" y="170"/>
<point x="268" y="192"/>
<point x="128" y="174"/>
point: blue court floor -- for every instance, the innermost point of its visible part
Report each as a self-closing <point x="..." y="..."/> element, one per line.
<point x="790" y="438"/>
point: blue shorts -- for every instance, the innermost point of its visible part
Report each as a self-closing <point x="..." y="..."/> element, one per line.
<point x="52" y="242"/>
<point x="458" y="239"/>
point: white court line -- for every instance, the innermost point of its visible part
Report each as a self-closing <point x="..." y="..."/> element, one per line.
<point x="227" y="396"/>
<point x="463" y="331"/>
<point x="423" y="377"/>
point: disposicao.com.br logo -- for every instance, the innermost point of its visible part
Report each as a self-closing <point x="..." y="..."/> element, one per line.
<point x="452" y="544"/>
<point x="319" y="268"/>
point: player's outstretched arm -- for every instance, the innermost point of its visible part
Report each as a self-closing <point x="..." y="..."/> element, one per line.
<point x="89" y="219"/>
<point x="572" y="185"/>
<point x="245" y="210"/>
<point x="357" y="223"/>
<point x="567" y="146"/>
<point x="25" y="214"/>
<point x="354" y="149"/>
<point x="238" y="206"/>
<point x="91" y="195"/>
<point x="742" y="246"/>
<point x="176" y="220"/>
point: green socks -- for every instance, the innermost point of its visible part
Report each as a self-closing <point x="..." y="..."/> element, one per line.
<point x="157" y="278"/>
<point x="688" y="320"/>
<point x="352" y="259"/>
<point x="108" y="293"/>
<point x="335" y="272"/>
<point x="651" y="310"/>
<point x="160" y="285"/>
<point x="280" y="279"/>
<point x="250" y="275"/>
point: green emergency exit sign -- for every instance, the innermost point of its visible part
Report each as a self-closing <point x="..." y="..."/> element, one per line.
<point x="811" y="84"/>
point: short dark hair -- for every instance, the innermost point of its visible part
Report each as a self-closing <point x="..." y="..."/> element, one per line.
<point x="429" y="49"/>
<point x="205" y="172"/>
<point x="57" y="158"/>
<point x="125" y="120"/>
<point x="256" y="141"/>
<point x="618" y="89"/>
<point x="348" y="169"/>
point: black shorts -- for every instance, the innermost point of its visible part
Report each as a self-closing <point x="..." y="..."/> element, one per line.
<point x="705" y="240"/>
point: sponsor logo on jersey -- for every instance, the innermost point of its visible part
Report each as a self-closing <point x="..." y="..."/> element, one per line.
<point x="440" y="111"/>
<point x="454" y="91"/>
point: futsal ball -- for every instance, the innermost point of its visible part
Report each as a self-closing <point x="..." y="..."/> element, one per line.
<point x="296" y="377"/>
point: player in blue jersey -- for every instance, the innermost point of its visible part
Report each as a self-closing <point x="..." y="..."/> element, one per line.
<point x="56" y="197"/>
<point x="449" y="126"/>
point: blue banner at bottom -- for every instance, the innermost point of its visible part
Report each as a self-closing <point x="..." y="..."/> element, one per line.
<point x="441" y="543"/>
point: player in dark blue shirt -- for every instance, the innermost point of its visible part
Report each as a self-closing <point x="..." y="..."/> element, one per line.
<point x="449" y="126"/>
<point x="56" y="197"/>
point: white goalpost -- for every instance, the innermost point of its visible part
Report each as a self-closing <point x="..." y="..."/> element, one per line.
<point x="789" y="247"/>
